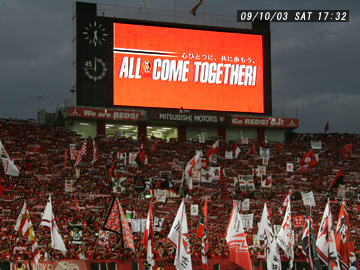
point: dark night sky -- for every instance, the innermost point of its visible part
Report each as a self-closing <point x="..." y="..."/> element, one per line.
<point x="315" y="66"/>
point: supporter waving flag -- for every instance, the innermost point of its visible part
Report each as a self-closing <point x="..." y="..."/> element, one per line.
<point x="214" y="149"/>
<point x="342" y="236"/>
<point x="153" y="147"/>
<point x="309" y="158"/>
<point x="326" y="128"/>
<point x="252" y="149"/>
<point x="116" y="222"/>
<point x="76" y="204"/>
<point x="338" y="180"/>
<point x="24" y="225"/>
<point x="48" y="220"/>
<point x="236" y="150"/>
<point x="266" y="233"/>
<point x="285" y="237"/>
<point x="195" y="163"/>
<point x="202" y="233"/>
<point x="236" y="240"/>
<point x="148" y="240"/>
<point x="9" y="166"/>
<point x="81" y="154"/>
<point x="140" y="157"/>
<point x="285" y="203"/>
<point x="325" y="243"/>
<point x="179" y="238"/>
<point x="307" y="243"/>
<point x="95" y="153"/>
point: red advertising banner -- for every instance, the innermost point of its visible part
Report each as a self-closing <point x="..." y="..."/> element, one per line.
<point x="264" y="122"/>
<point x="259" y="264"/>
<point x="166" y="67"/>
<point x="104" y="114"/>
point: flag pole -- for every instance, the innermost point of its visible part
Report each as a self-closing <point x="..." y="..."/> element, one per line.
<point x="121" y="228"/>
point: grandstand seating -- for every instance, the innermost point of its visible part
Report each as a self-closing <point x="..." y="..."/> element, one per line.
<point x="45" y="174"/>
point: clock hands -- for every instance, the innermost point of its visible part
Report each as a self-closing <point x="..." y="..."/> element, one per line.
<point x="95" y="37"/>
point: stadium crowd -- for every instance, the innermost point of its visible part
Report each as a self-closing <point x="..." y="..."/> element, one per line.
<point x="39" y="151"/>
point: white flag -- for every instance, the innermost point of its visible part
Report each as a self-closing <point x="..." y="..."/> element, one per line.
<point x="308" y="198"/>
<point x="48" y="220"/>
<point x="9" y="166"/>
<point x="285" y="236"/>
<point x="179" y="238"/>
<point x="173" y="235"/>
<point x="325" y="243"/>
<point x="265" y="232"/>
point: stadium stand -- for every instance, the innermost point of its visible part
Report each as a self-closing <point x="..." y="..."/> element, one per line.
<point x="39" y="152"/>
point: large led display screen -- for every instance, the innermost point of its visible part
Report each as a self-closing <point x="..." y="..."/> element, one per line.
<point x="165" y="67"/>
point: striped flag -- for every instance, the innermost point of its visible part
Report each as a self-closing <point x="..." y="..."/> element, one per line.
<point x="24" y="225"/>
<point x="81" y="154"/>
<point x="116" y="222"/>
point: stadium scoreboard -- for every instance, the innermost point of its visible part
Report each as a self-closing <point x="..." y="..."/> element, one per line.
<point x="137" y="64"/>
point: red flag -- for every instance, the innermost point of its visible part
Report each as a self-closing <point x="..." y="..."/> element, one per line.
<point x="342" y="235"/>
<point x="236" y="240"/>
<point x="326" y="128"/>
<point x="193" y="10"/>
<point x="202" y="232"/>
<point x="140" y="157"/>
<point x="76" y="204"/>
<point x="214" y="149"/>
<point x="147" y="240"/>
<point x="339" y="179"/>
<point x="116" y="222"/>
<point x="346" y="151"/>
<point x="308" y="158"/>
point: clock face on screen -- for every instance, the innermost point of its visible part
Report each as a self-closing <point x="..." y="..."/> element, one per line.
<point x="95" y="34"/>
